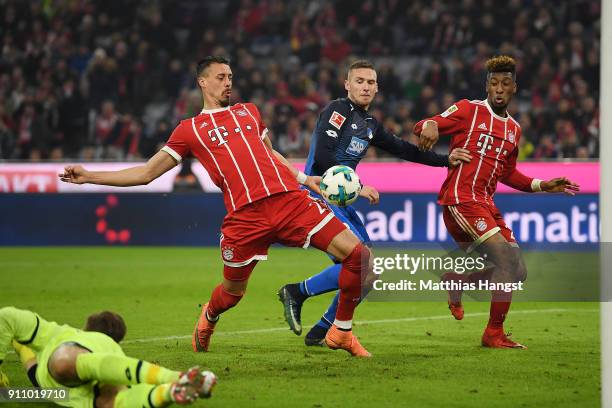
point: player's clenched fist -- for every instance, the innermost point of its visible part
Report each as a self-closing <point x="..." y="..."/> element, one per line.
<point x="73" y="174"/>
<point x="429" y="135"/>
<point x="560" y="185"/>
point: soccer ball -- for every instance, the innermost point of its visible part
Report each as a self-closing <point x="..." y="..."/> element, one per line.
<point x="340" y="185"/>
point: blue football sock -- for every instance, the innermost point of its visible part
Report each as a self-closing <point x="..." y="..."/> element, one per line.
<point x="323" y="282"/>
<point x="329" y="316"/>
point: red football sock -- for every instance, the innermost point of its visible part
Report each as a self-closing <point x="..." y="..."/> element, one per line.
<point x="349" y="282"/>
<point x="220" y="301"/>
<point x="500" y="304"/>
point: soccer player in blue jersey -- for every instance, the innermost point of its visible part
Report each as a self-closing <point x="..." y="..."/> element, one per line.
<point x="342" y="135"/>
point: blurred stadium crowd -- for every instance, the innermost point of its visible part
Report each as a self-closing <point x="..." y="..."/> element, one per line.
<point x="98" y="79"/>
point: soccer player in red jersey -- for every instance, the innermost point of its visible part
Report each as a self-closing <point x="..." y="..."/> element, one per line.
<point x="262" y="196"/>
<point x="492" y="136"/>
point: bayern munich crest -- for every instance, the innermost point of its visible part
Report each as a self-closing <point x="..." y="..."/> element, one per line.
<point x="481" y="224"/>
<point x="228" y="253"/>
<point x="511" y="136"/>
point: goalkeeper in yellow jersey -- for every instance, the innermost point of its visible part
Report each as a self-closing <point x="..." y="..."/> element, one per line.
<point x="92" y="365"/>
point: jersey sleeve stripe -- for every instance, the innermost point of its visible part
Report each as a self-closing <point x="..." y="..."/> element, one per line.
<point x="214" y="160"/>
<point x="264" y="133"/>
<point x="172" y="153"/>
<point x="34" y="333"/>
<point x="263" y="181"/>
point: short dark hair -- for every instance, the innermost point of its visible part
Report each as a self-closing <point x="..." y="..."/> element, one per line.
<point x="501" y="63"/>
<point x="109" y="323"/>
<point x="208" y="61"/>
<point x="361" y="64"/>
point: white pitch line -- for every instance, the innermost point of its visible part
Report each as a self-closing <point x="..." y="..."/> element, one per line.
<point x="383" y="321"/>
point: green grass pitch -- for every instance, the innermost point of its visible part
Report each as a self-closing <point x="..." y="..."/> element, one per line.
<point x="422" y="357"/>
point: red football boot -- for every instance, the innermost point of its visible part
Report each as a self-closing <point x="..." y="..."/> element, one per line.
<point x="340" y="339"/>
<point x="496" y="338"/>
<point x="454" y="296"/>
<point x="203" y="331"/>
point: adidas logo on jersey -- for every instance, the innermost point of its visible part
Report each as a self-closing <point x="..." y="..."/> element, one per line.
<point x="482" y="126"/>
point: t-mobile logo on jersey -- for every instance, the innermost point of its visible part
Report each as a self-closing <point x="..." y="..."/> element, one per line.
<point x="220" y="134"/>
<point x="485" y="143"/>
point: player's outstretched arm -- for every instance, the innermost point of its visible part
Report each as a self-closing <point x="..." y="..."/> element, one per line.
<point x="386" y="140"/>
<point x="157" y="165"/>
<point x="312" y="182"/>
<point x="512" y="177"/>
<point x="409" y="152"/>
<point x="560" y="185"/>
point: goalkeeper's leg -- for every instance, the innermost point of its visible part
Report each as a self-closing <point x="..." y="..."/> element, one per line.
<point x="150" y="384"/>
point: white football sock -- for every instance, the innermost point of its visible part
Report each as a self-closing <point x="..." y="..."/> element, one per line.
<point x="343" y="324"/>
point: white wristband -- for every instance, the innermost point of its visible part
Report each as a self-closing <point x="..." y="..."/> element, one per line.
<point x="536" y="185"/>
<point x="301" y="177"/>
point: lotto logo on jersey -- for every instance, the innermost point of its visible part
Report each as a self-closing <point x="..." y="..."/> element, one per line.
<point x="357" y="146"/>
<point x="337" y="120"/>
<point x="449" y="111"/>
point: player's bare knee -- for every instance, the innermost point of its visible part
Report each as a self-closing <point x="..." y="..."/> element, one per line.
<point x="521" y="272"/>
<point x="343" y="245"/>
<point x="62" y="364"/>
<point x="513" y="269"/>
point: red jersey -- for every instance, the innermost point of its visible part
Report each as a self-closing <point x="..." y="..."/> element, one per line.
<point x="229" y="144"/>
<point x="493" y="142"/>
